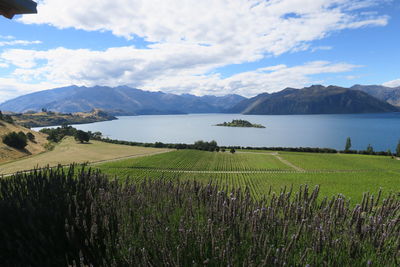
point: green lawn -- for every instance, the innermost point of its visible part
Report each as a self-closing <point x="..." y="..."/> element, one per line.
<point x="372" y="172"/>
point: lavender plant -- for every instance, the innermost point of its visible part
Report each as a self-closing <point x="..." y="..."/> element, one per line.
<point x="82" y="218"/>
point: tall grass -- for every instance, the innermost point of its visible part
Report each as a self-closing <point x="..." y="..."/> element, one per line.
<point x="60" y="218"/>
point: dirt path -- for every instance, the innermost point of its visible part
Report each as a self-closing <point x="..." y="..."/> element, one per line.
<point x="288" y="163"/>
<point x="276" y="155"/>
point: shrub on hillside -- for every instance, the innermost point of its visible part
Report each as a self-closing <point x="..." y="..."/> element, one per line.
<point x="81" y="136"/>
<point x="16" y="140"/>
<point x="30" y="136"/>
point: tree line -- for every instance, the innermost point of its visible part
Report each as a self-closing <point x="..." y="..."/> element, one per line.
<point x="57" y="134"/>
<point x="369" y="150"/>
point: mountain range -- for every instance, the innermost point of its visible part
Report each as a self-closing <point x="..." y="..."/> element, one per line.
<point x="316" y="99"/>
<point x="124" y="100"/>
<point x="121" y="100"/>
<point x="388" y="94"/>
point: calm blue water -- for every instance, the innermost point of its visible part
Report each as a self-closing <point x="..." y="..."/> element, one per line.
<point x="382" y="131"/>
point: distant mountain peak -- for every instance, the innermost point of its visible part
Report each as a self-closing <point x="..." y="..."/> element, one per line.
<point x="315" y="99"/>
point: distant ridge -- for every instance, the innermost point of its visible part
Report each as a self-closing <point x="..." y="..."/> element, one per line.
<point x="388" y="94"/>
<point x="316" y="99"/>
<point x="122" y="100"/>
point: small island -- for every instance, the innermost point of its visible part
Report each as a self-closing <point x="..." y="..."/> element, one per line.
<point x="240" y="123"/>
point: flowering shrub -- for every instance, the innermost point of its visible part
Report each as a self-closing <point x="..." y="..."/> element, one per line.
<point x="78" y="217"/>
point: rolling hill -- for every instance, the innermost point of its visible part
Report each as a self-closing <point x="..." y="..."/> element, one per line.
<point x="316" y="99"/>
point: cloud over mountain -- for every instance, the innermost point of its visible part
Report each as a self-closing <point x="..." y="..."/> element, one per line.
<point x="187" y="41"/>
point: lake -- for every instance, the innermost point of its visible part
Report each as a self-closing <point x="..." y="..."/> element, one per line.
<point x="382" y="131"/>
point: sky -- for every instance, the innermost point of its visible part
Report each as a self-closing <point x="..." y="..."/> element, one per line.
<point x="201" y="47"/>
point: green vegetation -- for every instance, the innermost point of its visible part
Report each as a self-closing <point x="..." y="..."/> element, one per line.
<point x="200" y="160"/>
<point x="348" y="174"/>
<point x="57" y="134"/>
<point x="312" y="161"/>
<point x="79" y="218"/>
<point x="82" y="136"/>
<point x="240" y="123"/>
<point x="370" y="149"/>
<point x="15" y="140"/>
<point x="348" y="144"/>
<point x="30" y="136"/>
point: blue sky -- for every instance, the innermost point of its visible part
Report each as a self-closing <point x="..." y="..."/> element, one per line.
<point x="201" y="47"/>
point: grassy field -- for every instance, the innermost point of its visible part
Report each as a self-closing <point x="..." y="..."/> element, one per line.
<point x="350" y="175"/>
<point x="200" y="160"/>
<point x="312" y="161"/>
<point x="69" y="151"/>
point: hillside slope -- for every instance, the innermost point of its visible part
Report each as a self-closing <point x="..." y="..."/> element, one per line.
<point x="316" y="99"/>
<point x="69" y="151"/>
<point x="8" y="153"/>
<point x="42" y="119"/>
<point x="121" y="100"/>
<point x="388" y="94"/>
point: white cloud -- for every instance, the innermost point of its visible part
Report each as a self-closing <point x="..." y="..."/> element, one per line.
<point x="18" y="42"/>
<point x="393" y="83"/>
<point x="269" y="79"/>
<point x="7" y="37"/>
<point x="191" y="38"/>
<point x="273" y="27"/>
<point x="179" y="69"/>
<point x="9" y="40"/>
<point x="325" y="48"/>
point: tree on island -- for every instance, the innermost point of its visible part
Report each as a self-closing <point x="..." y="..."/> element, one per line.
<point x="348" y="144"/>
<point x="232" y="150"/>
<point x="240" y="123"/>
<point x="82" y="136"/>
